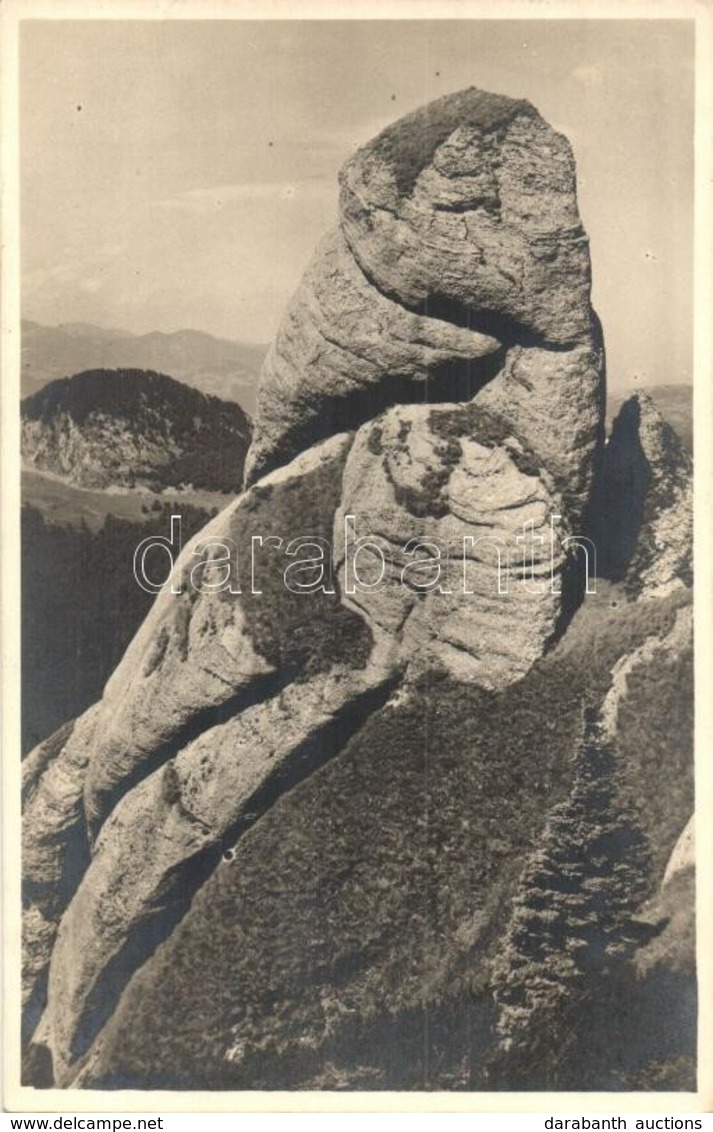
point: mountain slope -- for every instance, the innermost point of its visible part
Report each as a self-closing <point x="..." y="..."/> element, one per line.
<point x="122" y="428"/>
<point x="217" y="366"/>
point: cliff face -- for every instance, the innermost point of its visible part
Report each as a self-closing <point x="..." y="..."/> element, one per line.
<point x="294" y="833"/>
<point x="126" y="428"/>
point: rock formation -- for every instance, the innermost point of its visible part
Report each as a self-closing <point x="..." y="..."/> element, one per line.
<point x="128" y="427"/>
<point x="295" y="825"/>
<point x="218" y="367"/>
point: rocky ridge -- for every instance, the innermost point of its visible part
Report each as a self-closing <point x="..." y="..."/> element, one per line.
<point x="133" y="428"/>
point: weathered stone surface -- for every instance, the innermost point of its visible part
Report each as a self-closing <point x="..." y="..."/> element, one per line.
<point x="120" y="428"/>
<point x="460" y="251"/>
<point x="194" y="662"/>
<point x="423" y="473"/>
<point x="683" y="857"/>
<point x="156" y="691"/>
<point x="643" y="510"/>
<point x="344" y="351"/>
<point x="444" y="494"/>
<point x="672" y="915"/>
<point x="554" y="402"/>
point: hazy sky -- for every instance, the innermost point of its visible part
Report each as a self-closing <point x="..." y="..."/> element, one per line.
<point x="178" y="174"/>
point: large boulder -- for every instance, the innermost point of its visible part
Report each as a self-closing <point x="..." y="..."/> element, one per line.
<point x="286" y="848"/>
<point x="455" y="511"/>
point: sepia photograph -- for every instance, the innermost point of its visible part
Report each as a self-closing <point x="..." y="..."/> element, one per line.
<point x="353" y="719"/>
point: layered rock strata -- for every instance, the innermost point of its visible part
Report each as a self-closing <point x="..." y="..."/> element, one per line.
<point x="262" y="766"/>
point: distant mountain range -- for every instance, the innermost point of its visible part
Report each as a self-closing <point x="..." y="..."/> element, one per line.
<point x="217" y="366"/>
<point x="130" y="428"/>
